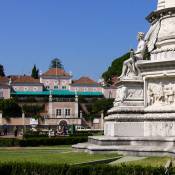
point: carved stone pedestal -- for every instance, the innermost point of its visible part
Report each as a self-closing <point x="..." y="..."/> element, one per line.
<point x="129" y="102"/>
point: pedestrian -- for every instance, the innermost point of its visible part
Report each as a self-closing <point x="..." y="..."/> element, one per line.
<point x="16" y="131"/>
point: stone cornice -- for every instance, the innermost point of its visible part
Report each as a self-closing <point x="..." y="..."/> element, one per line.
<point x="156" y="15"/>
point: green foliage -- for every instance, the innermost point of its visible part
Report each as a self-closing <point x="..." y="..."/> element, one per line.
<point x="102" y="105"/>
<point x="28" y="168"/>
<point x="8" y="142"/>
<point x="32" y="110"/>
<point x="36" y="134"/>
<point x="10" y="108"/>
<point x="115" y="69"/>
<point x="43" y="141"/>
<point x="35" y="72"/>
<point x="52" y="141"/>
<point x="2" y="74"/>
<point x="56" y="63"/>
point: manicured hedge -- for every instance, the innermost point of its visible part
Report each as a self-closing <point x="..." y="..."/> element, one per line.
<point x="8" y="142"/>
<point x="9" y="168"/>
<point x="42" y="141"/>
<point x="52" y="141"/>
<point x="34" y="135"/>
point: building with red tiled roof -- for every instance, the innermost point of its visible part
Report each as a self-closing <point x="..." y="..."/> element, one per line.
<point x="56" y="78"/>
<point x="85" y="84"/>
<point x="56" y="72"/>
<point x="26" y="83"/>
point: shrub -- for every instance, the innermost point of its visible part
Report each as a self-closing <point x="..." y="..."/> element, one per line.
<point x="8" y="142"/>
<point x="26" y="168"/>
<point x="42" y="141"/>
<point x="36" y="134"/>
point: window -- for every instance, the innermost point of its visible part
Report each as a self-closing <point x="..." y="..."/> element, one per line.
<point x="76" y="89"/>
<point x="63" y="87"/>
<point x="35" y="89"/>
<point x="64" y="82"/>
<point x="67" y="112"/>
<point x="47" y="82"/>
<point x="55" y="82"/>
<point x="25" y="88"/>
<point x="16" y="88"/>
<point x="85" y="89"/>
<point x="55" y="87"/>
<point x="58" y="112"/>
<point x="94" y="89"/>
<point x="47" y="87"/>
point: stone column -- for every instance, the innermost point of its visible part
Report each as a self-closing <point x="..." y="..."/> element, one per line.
<point x="23" y="121"/>
<point x="102" y="121"/>
<point x="145" y="92"/>
<point x="76" y="106"/>
<point x="50" y="105"/>
<point x="1" y="122"/>
<point x="81" y="114"/>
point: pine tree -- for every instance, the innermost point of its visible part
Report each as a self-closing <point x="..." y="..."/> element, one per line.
<point x="2" y="74"/>
<point x="35" y="72"/>
<point x="56" y="63"/>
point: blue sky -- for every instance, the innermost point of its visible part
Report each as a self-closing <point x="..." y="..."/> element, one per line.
<point x="85" y="34"/>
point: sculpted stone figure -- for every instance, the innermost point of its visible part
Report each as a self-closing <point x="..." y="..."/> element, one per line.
<point x="151" y="96"/>
<point x="169" y="94"/>
<point x="129" y="66"/>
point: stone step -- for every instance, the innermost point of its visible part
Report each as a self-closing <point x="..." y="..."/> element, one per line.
<point x="127" y="149"/>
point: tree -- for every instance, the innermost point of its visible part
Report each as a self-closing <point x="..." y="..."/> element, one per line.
<point x="102" y="105"/>
<point x="56" y="63"/>
<point x="115" y="69"/>
<point x="35" y="72"/>
<point x="10" y="108"/>
<point x="2" y="74"/>
<point x="32" y="110"/>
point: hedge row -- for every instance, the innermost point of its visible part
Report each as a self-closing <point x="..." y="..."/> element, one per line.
<point x="42" y="141"/>
<point x="9" y="168"/>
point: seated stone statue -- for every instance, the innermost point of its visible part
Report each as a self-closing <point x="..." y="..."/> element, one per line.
<point x="129" y="66"/>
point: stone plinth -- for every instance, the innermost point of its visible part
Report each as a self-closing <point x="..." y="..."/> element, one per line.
<point x="128" y="93"/>
<point x="128" y="102"/>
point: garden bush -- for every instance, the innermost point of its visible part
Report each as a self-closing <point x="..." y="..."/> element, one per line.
<point x="26" y="168"/>
<point x="42" y="141"/>
<point x="5" y="142"/>
<point x="36" y="134"/>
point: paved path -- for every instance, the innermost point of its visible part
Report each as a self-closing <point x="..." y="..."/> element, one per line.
<point x="127" y="159"/>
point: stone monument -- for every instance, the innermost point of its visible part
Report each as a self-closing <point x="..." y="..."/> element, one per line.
<point x="142" y="121"/>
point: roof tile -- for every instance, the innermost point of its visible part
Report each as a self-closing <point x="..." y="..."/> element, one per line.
<point x="56" y="72"/>
<point x="85" y="81"/>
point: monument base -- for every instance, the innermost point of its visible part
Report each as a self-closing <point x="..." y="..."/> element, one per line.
<point x="135" y="146"/>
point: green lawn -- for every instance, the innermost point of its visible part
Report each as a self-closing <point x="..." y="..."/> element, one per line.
<point x="49" y="155"/>
<point x="150" y="161"/>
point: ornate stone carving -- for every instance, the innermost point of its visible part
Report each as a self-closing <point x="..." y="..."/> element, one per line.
<point x="121" y="94"/>
<point x="161" y="93"/>
<point x="135" y="94"/>
<point x="152" y="35"/>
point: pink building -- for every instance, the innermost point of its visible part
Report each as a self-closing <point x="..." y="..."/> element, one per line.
<point x="56" y="78"/>
<point x="4" y="88"/>
<point x="85" y="84"/>
<point x="26" y="83"/>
